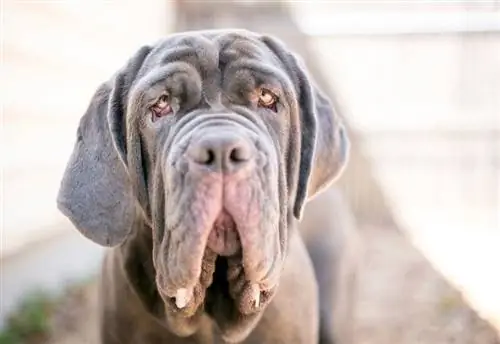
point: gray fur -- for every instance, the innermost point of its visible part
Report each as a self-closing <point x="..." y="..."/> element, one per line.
<point x="137" y="185"/>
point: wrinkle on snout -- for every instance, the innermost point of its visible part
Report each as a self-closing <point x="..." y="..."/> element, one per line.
<point x="208" y="120"/>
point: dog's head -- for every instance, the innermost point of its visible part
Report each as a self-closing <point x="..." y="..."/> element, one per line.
<point x="214" y="140"/>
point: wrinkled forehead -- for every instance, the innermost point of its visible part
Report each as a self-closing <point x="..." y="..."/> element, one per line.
<point x="211" y="51"/>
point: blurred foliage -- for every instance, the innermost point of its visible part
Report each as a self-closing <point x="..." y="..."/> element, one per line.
<point x="31" y="323"/>
<point x="34" y="319"/>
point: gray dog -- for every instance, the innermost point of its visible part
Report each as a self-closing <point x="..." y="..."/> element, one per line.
<point x="194" y="162"/>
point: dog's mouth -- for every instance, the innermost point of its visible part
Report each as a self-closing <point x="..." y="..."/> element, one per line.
<point x="225" y="250"/>
<point x="224" y="239"/>
<point x="220" y="285"/>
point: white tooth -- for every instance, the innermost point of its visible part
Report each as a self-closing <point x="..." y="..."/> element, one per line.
<point x="183" y="297"/>
<point x="256" y="294"/>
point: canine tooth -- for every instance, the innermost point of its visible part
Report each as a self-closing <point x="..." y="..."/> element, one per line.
<point x="255" y="294"/>
<point x="182" y="297"/>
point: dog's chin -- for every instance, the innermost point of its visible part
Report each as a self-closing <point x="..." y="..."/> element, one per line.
<point x="226" y="300"/>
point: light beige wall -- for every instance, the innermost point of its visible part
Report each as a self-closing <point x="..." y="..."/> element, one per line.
<point x="428" y="109"/>
<point x="55" y="54"/>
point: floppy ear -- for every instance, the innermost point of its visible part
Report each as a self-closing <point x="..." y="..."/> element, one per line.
<point x="324" y="145"/>
<point x="95" y="191"/>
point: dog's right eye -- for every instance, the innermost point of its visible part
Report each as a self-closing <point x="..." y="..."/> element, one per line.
<point x="161" y="108"/>
<point x="267" y="99"/>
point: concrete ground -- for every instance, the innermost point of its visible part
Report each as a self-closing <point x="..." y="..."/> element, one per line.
<point x="401" y="299"/>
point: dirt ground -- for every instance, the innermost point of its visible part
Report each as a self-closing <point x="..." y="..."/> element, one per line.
<point x="401" y="299"/>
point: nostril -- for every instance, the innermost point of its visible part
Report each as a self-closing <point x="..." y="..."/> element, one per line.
<point x="239" y="154"/>
<point x="209" y="157"/>
<point x="203" y="156"/>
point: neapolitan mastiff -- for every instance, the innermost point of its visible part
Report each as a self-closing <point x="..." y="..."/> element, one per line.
<point x="194" y="162"/>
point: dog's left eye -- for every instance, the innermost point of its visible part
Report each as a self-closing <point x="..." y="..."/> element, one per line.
<point x="162" y="107"/>
<point x="268" y="99"/>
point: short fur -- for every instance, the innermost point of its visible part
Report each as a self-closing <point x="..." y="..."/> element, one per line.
<point x="132" y="184"/>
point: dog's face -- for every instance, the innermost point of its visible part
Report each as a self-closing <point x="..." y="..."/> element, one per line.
<point x="214" y="140"/>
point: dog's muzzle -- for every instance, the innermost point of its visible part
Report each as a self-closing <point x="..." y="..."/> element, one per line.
<point x="230" y="156"/>
<point x="224" y="199"/>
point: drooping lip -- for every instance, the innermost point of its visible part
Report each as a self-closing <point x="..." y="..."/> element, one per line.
<point x="222" y="215"/>
<point x="224" y="238"/>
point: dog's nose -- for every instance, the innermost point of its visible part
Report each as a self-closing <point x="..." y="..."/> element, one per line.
<point x="221" y="152"/>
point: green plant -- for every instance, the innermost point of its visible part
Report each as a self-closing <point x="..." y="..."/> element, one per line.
<point x="31" y="322"/>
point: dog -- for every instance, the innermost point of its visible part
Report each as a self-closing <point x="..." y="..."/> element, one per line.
<point x="206" y="165"/>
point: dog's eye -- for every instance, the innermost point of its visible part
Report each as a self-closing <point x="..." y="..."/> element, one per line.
<point x="162" y="107"/>
<point x="268" y="99"/>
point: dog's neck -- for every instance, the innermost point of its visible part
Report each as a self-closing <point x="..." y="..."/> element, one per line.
<point x="139" y="269"/>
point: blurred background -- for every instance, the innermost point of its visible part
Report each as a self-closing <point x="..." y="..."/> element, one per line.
<point x="418" y="83"/>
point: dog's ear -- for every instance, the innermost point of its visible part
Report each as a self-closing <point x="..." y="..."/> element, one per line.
<point x="95" y="191"/>
<point x="323" y="146"/>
